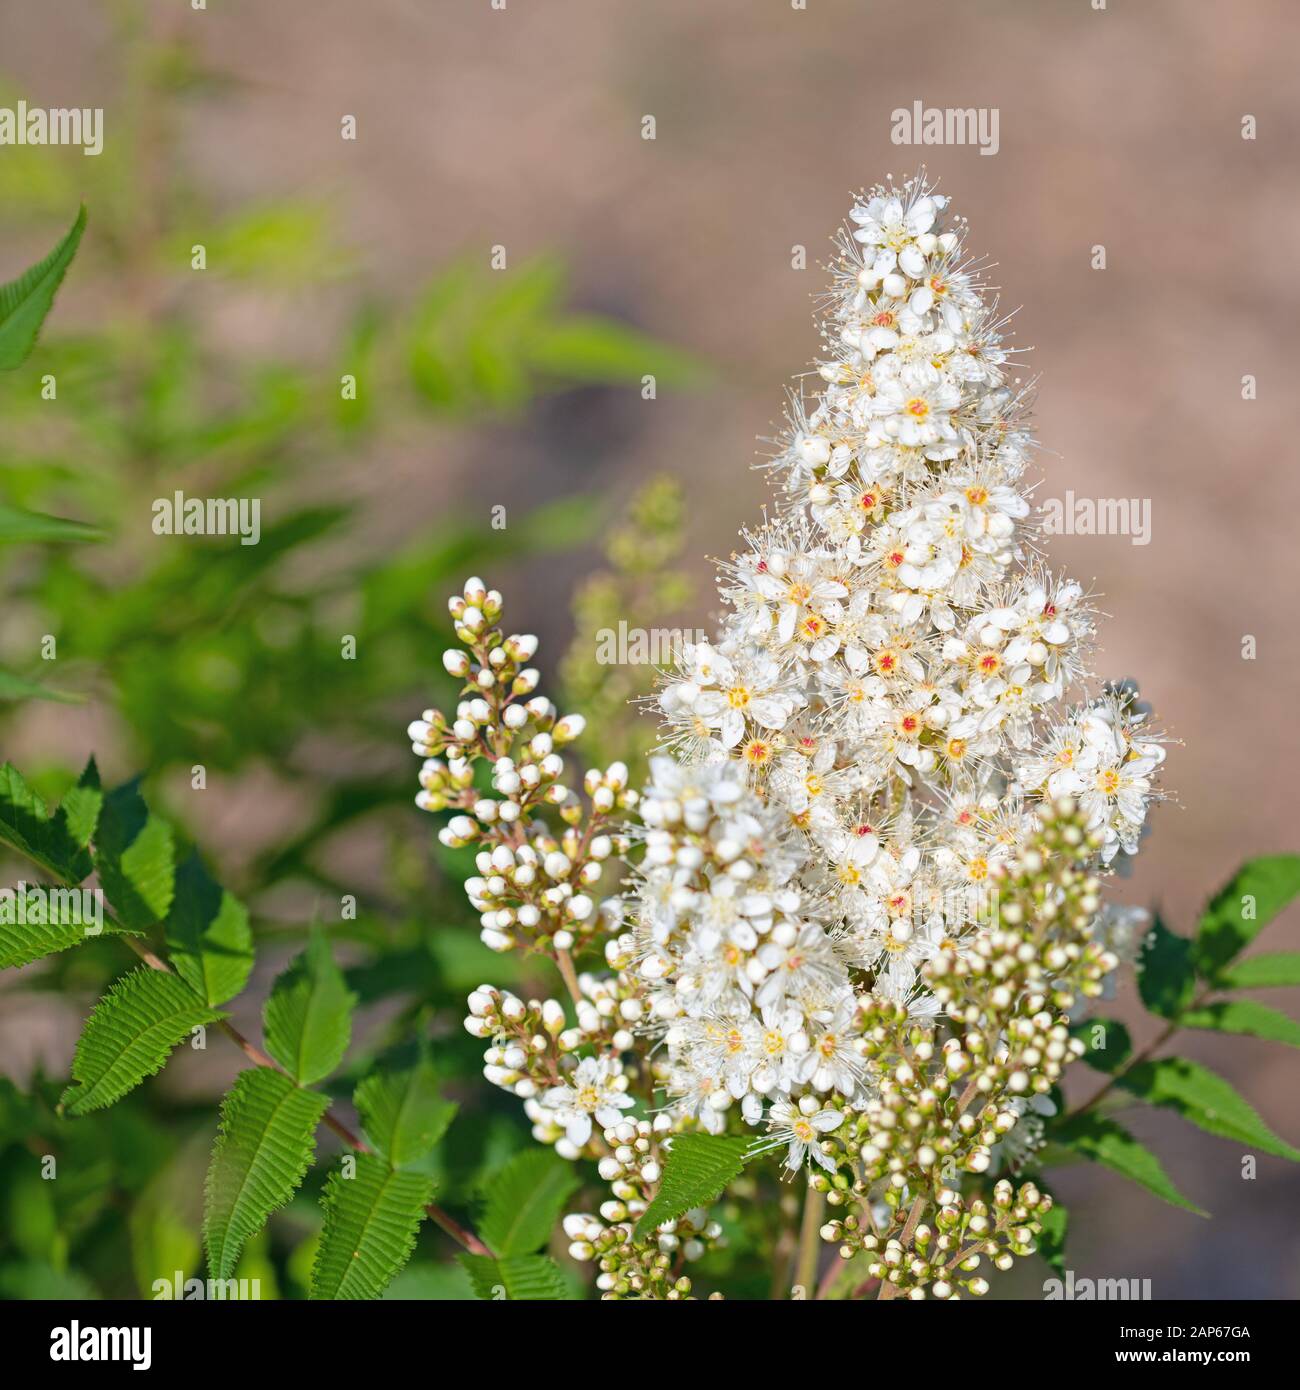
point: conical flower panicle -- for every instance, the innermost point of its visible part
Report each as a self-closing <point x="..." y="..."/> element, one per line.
<point x="864" y="890"/>
<point x="890" y="684"/>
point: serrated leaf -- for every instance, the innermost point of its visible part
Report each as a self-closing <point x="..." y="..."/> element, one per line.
<point x="1263" y="972"/>
<point x="135" y="858"/>
<point x="24" y="302"/>
<point x="308" y="1017"/>
<point x="18" y="526"/>
<point x="370" y="1225"/>
<point x="1107" y="1041"/>
<point x="264" y="1147"/>
<point x="1206" y="1099"/>
<point x="516" y="1278"/>
<point x="402" y="1113"/>
<point x="27" y="826"/>
<point x="81" y="805"/>
<point x="129" y="1035"/>
<point x="208" y="936"/>
<point x="42" y="926"/>
<point x="1260" y="890"/>
<point x="525" y="1199"/>
<point x="1246" y="1017"/>
<point x="1103" y="1141"/>
<point x="1166" y="979"/>
<point x="697" y="1168"/>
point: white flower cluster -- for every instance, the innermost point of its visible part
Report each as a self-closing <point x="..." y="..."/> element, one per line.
<point x="866" y="739"/>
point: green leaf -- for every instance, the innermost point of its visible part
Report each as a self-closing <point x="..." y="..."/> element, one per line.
<point x="267" y="1139"/>
<point x="17" y="526"/>
<point x="135" y="858"/>
<point x="525" y="1199"/>
<point x="588" y="349"/>
<point x="1166" y="979"/>
<point x="370" y="1225"/>
<point x="26" y="826"/>
<point x="1107" y="1040"/>
<point x="1241" y="909"/>
<point x="1246" y="1017"/>
<point x="402" y="1113"/>
<point x="130" y="1035"/>
<point x="1263" y="972"/>
<point x="1051" y="1240"/>
<point x="308" y="1017"/>
<point x="54" y="921"/>
<point x="517" y="1278"/>
<point x="14" y="687"/>
<point x="697" y="1168"/>
<point x="208" y="936"/>
<point x="1206" y="1099"/>
<point x="82" y="804"/>
<point x="24" y="302"/>
<point x="1103" y="1141"/>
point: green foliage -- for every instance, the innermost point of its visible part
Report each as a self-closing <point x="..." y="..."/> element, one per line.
<point x="208" y="935"/>
<point x="1246" y="1017"/>
<point x="46" y="928"/>
<point x="24" y="302"/>
<point x="402" y="1113"/>
<point x="130" y="1035"/>
<point x="1242" y="908"/>
<point x="1107" y="1041"/>
<point x="370" y="1223"/>
<point x="1263" y="972"/>
<point x="698" y="1167"/>
<point x="1103" y="1141"/>
<point x="525" y="1200"/>
<point x="1051" y="1240"/>
<point x="1166" y="980"/>
<point x="18" y="526"/>
<point x="1175" y="977"/>
<point x="264" y="1147"/>
<point x="27" y="828"/>
<point x="516" y="1278"/>
<point x="1205" y="1099"/>
<point x="308" y="1016"/>
<point x="135" y="858"/>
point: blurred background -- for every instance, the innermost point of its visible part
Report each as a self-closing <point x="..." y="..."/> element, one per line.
<point x="521" y="128"/>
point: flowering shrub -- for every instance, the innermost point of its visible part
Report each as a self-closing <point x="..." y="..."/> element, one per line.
<point x="860" y="910"/>
<point x="845" y="928"/>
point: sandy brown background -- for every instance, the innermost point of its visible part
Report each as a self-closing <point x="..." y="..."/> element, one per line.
<point x="1120" y="127"/>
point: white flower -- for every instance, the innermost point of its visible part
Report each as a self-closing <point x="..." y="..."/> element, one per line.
<point x="802" y="1132"/>
<point x="596" y="1089"/>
